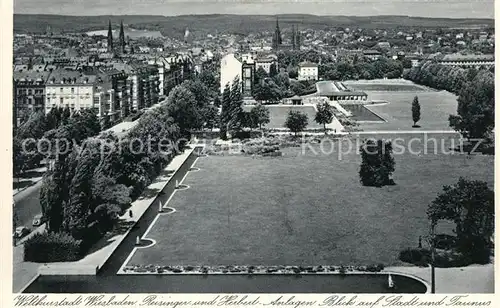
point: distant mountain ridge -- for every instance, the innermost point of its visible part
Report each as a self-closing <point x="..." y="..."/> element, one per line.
<point x="175" y="26"/>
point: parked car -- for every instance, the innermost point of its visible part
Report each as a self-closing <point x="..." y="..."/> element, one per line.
<point x="38" y="220"/>
<point x="21" y="232"/>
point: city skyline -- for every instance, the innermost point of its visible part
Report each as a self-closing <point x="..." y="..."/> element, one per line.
<point x="414" y="8"/>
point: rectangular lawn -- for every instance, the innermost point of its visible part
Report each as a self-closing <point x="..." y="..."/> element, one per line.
<point x="279" y="113"/>
<point x="435" y="108"/>
<point x="301" y="209"/>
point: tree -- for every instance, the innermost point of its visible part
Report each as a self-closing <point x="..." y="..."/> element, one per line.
<point x="377" y="163"/>
<point x="200" y="92"/>
<point x="105" y="123"/>
<point x="273" y="71"/>
<point x="181" y="106"/>
<point x="470" y="205"/>
<point x="324" y="115"/>
<point x="296" y="121"/>
<point x="224" y="117"/>
<point x="235" y="107"/>
<point x="18" y="159"/>
<point x="54" y="193"/>
<point x="415" y="111"/>
<point x="211" y="117"/>
<point x="476" y="107"/>
<point x="260" y="75"/>
<point x="259" y="115"/>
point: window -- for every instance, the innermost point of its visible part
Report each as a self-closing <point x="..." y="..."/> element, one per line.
<point x="48" y="100"/>
<point x="72" y="90"/>
<point x="61" y="89"/>
<point x="61" y="100"/>
<point x="30" y="92"/>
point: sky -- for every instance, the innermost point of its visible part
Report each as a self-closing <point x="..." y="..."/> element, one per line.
<point x="422" y="8"/>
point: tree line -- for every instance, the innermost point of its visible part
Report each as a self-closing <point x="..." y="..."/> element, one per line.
<point x="476" y="95"/>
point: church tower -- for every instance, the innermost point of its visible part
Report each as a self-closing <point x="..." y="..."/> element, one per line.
<point x="110" y="38"/>
<point x="295" y="38"/>
<point x="122" y="38"/>
<point x="277" y="36"/>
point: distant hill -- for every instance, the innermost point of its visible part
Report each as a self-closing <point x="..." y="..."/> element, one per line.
<point x="174" y="26"/>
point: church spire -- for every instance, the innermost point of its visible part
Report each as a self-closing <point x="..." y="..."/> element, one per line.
<point x="122" y="38"/>
<point x="110" y="38"/>
<point x="277" y="36"/>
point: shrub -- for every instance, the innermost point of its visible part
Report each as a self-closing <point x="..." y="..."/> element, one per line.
<point x="52" y="247"/>
<point x="342" y="270"/>
<point x="445" y="241"/>
<point x="417" y="256"/>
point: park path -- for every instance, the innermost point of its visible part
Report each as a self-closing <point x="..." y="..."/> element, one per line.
<point x="455" y="280"/>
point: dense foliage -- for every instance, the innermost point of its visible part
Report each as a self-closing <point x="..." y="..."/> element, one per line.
<point x="377" y="163"/>
<point x="470" y="205"/>
<point x="52" y="247"/>
<point x="475" y="90"/>
<point x="324" y="115"/>
<point x="296" y="121"/>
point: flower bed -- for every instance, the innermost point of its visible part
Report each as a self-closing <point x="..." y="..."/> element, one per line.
<point x="250" y="269"/>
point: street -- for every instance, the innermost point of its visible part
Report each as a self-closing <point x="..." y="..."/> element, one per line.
<point x="28" y="205"/>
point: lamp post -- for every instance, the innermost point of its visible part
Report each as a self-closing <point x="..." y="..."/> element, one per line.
<point x="431" y="239"/>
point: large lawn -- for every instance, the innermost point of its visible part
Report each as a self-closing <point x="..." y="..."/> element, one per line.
<point x="301" y="209"/>
<point x="435" y="108"/>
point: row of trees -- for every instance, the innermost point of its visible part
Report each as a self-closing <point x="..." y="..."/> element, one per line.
<point x="297" y="121"/>
<point x="59" y="123"/>
<point x="89" y="187"/>
<point x="476" y="95"/>
<point x="361" y="69"/>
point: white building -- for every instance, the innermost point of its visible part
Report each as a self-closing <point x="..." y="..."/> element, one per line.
<point x="308" y="71"/>
<point x="265" y="63"/>
<point x="70" y="89"/>
<point x="230" y="68"/>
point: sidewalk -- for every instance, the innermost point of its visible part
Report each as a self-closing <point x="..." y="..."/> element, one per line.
<point x="24" y="272"/>
<point x="456" y="280"/>
<point x="35" y="180"/>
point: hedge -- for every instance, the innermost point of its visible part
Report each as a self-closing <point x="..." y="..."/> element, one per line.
<point x="52" y="247"/>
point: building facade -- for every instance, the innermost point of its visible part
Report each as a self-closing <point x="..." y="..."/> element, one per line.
<point x="28" y="93"/>
<point x="308" y="71"/>
<point x="467" y="61"/>
<point x="70" y="89"/>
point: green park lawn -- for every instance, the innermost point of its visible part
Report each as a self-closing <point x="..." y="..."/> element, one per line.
<point x="435" y="108"/>
<point x="279" y="113"/>
<point x="301" y="209"/>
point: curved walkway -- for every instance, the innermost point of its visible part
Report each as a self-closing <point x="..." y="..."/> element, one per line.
<point x="181" y="187"/>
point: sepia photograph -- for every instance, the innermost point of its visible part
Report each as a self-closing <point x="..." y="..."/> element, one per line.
<point x="191" y="146"/>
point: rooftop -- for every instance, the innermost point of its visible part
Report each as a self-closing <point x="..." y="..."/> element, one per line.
<point x="308" y="64"/>
<point x="71" y="77"/>
<point x="455" y="57"/>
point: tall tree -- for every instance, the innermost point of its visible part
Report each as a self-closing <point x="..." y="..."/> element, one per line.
<point x="225" y="112"/>
<point x="324" y="115"/>
<point x="211" y="117"/>
<point x="476" y="108"/>
<point x="415" y="111"/>
<point x="377" y="163"/>
<point x="470" y="205"/>
<point x="273" y="71"/>
<point x="181" y="105"/>
<point x="259" y="115"/>
<point x="54" y="193"/>
<point x="296" y="121"/>
<point x="236" y="106"/>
